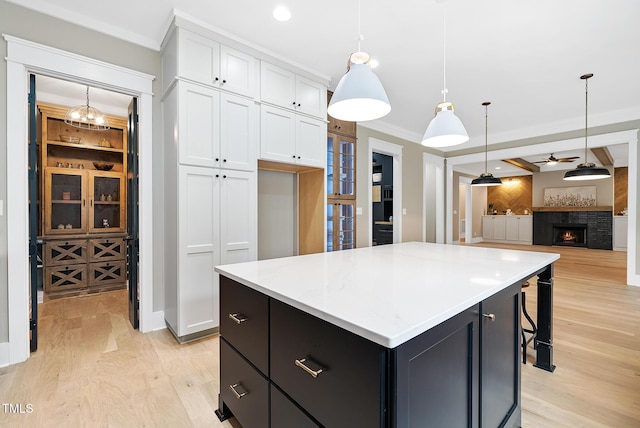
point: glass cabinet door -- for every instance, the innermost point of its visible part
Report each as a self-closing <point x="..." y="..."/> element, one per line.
<point x="341" y="167"/>
<point x="65" y="202"/>
<point x="107" y="204"/>
<point x="341" y="226"/>
<point x="346" y="183"/>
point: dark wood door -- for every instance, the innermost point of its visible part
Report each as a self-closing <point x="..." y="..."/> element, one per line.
<point x="34" y="264"/>
<point x="133" y="242"/>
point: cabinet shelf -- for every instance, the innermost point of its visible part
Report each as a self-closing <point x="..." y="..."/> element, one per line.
<point x="65" y="201"/>
<point x="84" y="146"/>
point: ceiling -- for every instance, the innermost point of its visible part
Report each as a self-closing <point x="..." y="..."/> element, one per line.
<point x="523" y="56"/>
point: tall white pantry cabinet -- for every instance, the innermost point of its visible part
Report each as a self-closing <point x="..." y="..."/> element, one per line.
<point x="212" y="136"/>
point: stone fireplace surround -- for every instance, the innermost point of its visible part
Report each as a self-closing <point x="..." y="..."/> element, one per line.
<point x="598" y="220"/>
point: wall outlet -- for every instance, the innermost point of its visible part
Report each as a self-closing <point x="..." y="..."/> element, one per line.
<point x="404" y="211"/>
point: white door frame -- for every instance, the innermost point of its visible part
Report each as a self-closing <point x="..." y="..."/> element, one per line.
<point x="438" y="181"/>
<point x="395" y="151"/>
<point x="466" y="181"/>
<point x="24" y="57"/>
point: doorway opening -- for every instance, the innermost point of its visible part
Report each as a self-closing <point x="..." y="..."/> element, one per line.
<point x="25" y="58"/>
<point x="382" y="198"/>
<point x="84" y="221"/>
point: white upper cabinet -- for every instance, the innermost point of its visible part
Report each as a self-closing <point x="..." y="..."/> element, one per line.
<point x="286" y="89"/>
<point x="291" y="138"/>
<point x="207" y="61"/>
<point x="216" y="129"/>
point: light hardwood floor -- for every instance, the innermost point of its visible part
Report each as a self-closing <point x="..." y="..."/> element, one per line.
<point x="93" y="370"/>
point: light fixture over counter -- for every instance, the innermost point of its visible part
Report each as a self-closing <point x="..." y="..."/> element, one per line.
<point x="486" y="178"/>
<point x="87" y="117"/>
<point x="445" y="129"/>
<point x="586" y="170"/>
<point x="359" y="95"/>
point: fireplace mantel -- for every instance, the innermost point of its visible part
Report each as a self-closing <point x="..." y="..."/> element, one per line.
<point x="570" y="209"/>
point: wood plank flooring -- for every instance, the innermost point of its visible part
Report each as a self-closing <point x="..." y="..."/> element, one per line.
<point x="93" y="370"/>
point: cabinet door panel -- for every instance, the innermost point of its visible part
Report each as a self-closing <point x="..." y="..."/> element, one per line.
<point x="500" y="348"/>
<point x="238" y="224"/>
<point x="487" y="227"/>
<point x="348" y="393"/>
<point x="244" y="321"/>
<point x="252" y="408"/>
<point x="199" y="58"/>
<point x="238" y="72"/>
<point x="65" y="201"/>
<point x="437" y="375"/>
<point x="278" y="136"/>
<point x="285" y="414"/>
<point x="198" y="245"/>
<point x="311" y="136"/>
<point x="511" y="228"/>
<point x="238" y="133"/>
<point x="277" y="85"/>
<point x="499" y="227"/>
<point x="199" y="128"/>
<point x="106" y="202"/>
<point x="525" y="229"/>
<point x="311" y="97"/>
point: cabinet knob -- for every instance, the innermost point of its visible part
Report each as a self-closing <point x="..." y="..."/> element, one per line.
<point x="490" y="317"/>
<point x="217" y="159"/>
<point x="298" y="157"/>
<point x="224" y="176"/>
<point x="294" y="103"/>
<point x="238" y="395"/>
<point x="216" y="79"/>
<point x="224" y="160"/>
<point x="238" y="318"/>
<point x="298" y="104"/>
<point x="301" y="363"/>
<point x="224" y="81"/>
<point x="217" y="175"/>
<point x="294" y="156"/>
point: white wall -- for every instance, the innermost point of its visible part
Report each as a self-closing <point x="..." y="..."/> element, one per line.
<point x="277" y="214"/>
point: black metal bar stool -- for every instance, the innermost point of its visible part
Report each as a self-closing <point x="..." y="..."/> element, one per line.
<point x="533" y="331"/>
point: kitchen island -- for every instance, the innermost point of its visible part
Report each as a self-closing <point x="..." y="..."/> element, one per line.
<point x="411" y="334"/>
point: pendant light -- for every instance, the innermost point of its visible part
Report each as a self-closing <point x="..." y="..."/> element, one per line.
<point x="586" y="170"/>
<point x="445" y="129"/>
<point x="486" y="178"/>
<point x="87" y="117"/>
<point x="359" y="95"/>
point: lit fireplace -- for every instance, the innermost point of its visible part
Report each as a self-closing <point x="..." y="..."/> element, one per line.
<point x="574" y="235"/>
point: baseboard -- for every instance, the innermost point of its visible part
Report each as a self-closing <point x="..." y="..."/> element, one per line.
<point x="4" y="354"/>
<point x="476" y="240"/>
<point x="157" y="321"/>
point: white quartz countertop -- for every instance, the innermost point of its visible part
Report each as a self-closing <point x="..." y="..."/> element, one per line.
<point x="389" y="294"/>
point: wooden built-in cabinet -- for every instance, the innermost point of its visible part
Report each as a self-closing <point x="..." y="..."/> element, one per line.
<point x="341" y="183"/>
<point x="82" y="207"/>
<point x="502" y="228"/>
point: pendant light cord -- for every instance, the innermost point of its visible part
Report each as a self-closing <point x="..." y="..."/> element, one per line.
<point x="359" y="29"/>
<point x="586" y="104"/>
<point x="444" y="54"/>
<point x="486" y="121"/>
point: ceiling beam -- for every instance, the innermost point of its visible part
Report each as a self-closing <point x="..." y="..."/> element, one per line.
<point x="603" y="155"/>
<point x="521" y="163"/>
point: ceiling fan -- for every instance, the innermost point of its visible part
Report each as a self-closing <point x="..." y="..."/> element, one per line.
<point x="552" y="160"/>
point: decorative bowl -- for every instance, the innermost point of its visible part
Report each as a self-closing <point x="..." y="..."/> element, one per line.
<point x="69" y="139"/>
<point x="103" y="166"/>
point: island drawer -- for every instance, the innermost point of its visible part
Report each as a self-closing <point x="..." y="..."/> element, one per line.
<point x="244" y="321"/>
<point x="284" y="413"/>
<point x="348" y="392"/>
<point x="243" y="389"/>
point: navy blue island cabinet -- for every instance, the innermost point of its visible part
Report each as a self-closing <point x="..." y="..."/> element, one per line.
<point x="281" y="367"/>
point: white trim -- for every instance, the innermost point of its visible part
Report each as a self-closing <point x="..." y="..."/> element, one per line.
<point x="633" y="277"/>
<point x="158" y="321"/>
<point x="395" y="151"/>
<point x="4" y="354"/>
<point x="438" y="163"/>
<point x="24" y="57"/>
<point x="390" y="129"/>
<point x="468" y="208"/>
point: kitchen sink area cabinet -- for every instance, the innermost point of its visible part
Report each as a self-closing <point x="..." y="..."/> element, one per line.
<point x="514" y="229"/>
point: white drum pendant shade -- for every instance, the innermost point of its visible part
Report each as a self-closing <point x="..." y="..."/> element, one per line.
<point x="359" y="96"/>
<point x="444" y="130"/>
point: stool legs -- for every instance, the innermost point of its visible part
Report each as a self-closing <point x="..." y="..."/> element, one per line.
<point x="533" y="331"/>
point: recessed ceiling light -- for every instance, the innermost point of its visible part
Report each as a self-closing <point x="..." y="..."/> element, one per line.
<point x="281" y="13"/>
<point x="374" y="63"/>
<point x="498" y="167"/>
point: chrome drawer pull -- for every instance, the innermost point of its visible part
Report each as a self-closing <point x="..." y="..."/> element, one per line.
<point x="238" y="395"/>
<point x="301" y="363"/>
<point x="238" y="318"/>
<point x="491" y="317"/>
